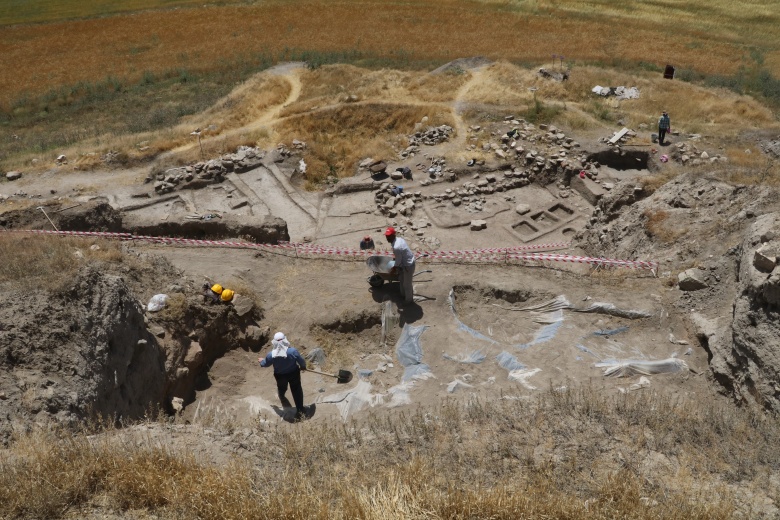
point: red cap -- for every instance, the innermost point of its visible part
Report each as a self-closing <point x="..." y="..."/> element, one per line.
<point x="389" y="232"/>
<point x="367" y="237"/>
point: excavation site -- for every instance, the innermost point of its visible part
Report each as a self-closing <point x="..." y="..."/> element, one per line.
<point x="479" y="289"/>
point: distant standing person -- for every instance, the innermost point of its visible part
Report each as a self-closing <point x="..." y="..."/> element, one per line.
<point x="366" y="243"/>
<point x="287" y="363"/>
<point x="664" y="126"/>
<point x="404" y="262"/>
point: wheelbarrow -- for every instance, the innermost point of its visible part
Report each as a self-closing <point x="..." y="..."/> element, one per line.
<point x="384" y="270"/>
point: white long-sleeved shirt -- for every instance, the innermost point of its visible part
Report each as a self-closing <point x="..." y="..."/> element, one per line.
<point x="403" y="255"/>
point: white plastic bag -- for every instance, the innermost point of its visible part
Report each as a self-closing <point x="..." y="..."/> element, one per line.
<point x="157" y="303"/>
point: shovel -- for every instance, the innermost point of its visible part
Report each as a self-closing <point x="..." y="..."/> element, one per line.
<point x="344" y="376"/>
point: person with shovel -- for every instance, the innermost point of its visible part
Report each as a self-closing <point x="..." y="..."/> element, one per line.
<point x="287" y="363"/>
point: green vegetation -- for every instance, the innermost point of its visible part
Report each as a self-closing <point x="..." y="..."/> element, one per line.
<point x="40" y="11"/>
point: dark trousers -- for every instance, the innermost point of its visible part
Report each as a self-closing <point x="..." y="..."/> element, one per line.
<point x="292" y="379"/>
<point x="661" y="135"/>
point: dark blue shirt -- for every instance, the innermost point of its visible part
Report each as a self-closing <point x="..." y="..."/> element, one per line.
<point x="285" y="365"/>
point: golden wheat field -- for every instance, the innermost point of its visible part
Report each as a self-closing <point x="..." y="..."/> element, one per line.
<point x="714" y="37"/>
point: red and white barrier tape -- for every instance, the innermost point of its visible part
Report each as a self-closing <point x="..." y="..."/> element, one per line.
<point x="500" y="254"/>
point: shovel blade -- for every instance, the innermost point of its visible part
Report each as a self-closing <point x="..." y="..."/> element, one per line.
<point x="345" y="376"/>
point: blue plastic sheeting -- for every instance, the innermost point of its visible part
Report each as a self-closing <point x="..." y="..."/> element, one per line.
<point x="544" y="335"/>
<point x="586" y="350"/>
<point x="462" y="326"/>
<point x="465" y="328"/>
<point x="409" y="352"/>
<point x="408" y="348"/>
<point x="611" y="310"/>
<point x="509" y="362"/>
<point x="475" y="357"/>
<point x="365" y="373"/>
<point x="421" y="371"/>
<point x="610" y="332"/>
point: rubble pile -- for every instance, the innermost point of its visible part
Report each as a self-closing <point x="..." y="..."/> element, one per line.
<point x="433" y="135"/>
<point x="210" y="172"/>
<point x="689" y="154"/>
<point x="391" y="200"/>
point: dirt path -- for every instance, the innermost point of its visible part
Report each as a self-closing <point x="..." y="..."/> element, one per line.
<point x="291" y="73"/>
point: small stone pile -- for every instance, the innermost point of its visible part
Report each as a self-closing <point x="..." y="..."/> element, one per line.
<point x="210" y="172"/>
<point x="689" y="154"/>
<point x="549" y="157"/>
<point x="372" y="166"/>
<point x="431" y="136"/>
<point x="470" y="194"/>
<point x="392" y="200"/>
<point x="418" y="226"/>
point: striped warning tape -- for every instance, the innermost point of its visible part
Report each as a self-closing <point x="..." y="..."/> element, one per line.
<point x="478" y="255"/>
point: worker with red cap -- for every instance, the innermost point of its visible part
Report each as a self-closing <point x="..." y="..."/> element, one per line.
<point x="404" y="262"/>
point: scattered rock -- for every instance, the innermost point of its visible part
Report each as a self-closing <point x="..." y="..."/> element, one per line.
<point x="692" y="280"/>
<point x="239" y="203"/>
<point x="14" y="175"/>
<point x="765" y="259"/>
<point x="477" y="225"/>
<point x="378" y="167"/>
<point x="242" y="304"/>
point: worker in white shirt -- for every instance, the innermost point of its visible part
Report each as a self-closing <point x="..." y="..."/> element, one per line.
<point x="404" y="262"/>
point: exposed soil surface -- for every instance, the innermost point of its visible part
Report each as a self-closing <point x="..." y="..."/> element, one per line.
<point x="495" y="331"/>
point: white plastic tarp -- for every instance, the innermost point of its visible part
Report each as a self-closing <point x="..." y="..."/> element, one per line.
<point x="409" y="352"/>
<point x="627" y="368"/>
<point x="157" y="303"/>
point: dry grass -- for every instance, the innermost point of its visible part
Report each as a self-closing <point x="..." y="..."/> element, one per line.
<point x="340" y="137"/>
<point x="49" y="262"/>
<point x="176" y="308"/>
<point x="707" y="37"/>
<point x="652" y="182"/>
<point x="659" y="226"/>
<point x="563" y="454"/>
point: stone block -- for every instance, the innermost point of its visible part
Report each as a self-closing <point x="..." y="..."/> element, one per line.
<point x="477" y="225"/>
<point x="692" y="280"/>
<point x="590" y="190"/>
<point x="765" y="259"/>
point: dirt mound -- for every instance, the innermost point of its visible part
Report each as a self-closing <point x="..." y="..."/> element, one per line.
<point x="95" y="354"/>
<point x="743" y="350"/>
<point x="194" y="334"/>
<point x="101" y="353"/>
<point x="690" y="217"/>
<point x="462" y="64"/>
<point x="715" y="228"/>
